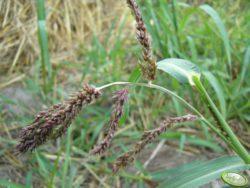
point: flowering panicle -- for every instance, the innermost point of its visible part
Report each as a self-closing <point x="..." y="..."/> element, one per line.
<point x="54" y="122"/>
<point x="149" y="65"/>
<point x="147" y="138"/>
<point x="120" y="97"/>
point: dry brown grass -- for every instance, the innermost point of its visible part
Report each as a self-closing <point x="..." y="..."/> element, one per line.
<point x="70" y="24"/>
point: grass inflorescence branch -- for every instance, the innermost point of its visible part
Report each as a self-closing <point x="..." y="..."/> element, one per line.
<point x="53" y="122"/>
<point x="148" y="67"/>
<point x="148" y="137"/>
<point x="120" y="98"/>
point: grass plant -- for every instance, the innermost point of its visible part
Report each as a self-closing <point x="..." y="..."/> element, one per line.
<point x="94" y="42"/>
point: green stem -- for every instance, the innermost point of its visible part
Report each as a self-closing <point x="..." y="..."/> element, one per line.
<point x="149" y="85"/>
<point x="237" y="146"/>
<point x="40" y="9"/>
<point x="44" y="49"/>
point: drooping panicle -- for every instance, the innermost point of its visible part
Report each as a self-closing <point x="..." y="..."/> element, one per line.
<point x="148" y="137"/>
<point x="120" y="98"/>
<point x="148" y="67"/>
<point x="53" y="122"/>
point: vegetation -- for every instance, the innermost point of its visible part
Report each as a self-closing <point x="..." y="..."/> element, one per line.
<point x="205" y="50"/>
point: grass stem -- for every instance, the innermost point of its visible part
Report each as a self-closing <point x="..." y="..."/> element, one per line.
<point x="193" y="109"/>
<point x="238" y="147"/>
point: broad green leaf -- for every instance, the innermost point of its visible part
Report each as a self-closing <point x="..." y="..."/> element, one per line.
<point x="200" y="173"/>
<point x="218" y="90"/>
<point x="222" y="29"/>
<point x="182" y="70"/>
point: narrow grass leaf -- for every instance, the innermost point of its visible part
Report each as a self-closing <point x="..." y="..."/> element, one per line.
<point x="193" y="49"/>
<point x="43" y="42"/>
<point x="41" y="13"/>
<point x="66" y="163"/>
<point x="182" y="142"/>
<point x="54" y="171"/>
<point x="28" y="180"/>
<point x="245" y="67"/>
<point x="205" y="172"/>
<point x="222" y="29"/>
<point x="135" y="75"/>
<point x="218" y="90"/>
<point x="42" y="165"/>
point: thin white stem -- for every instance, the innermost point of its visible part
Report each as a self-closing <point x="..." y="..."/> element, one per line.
<point x="154" y="153"/>
<point x="150" y="85"/>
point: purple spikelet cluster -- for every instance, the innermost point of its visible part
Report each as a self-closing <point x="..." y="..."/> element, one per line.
<point x="120" y="98"/>
<point x="148" y="137"/>
<point x="149" y="65"/>
<point x="53" y="122"/>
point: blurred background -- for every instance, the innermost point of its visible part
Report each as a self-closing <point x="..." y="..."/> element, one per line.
<point x="93" y="41"/>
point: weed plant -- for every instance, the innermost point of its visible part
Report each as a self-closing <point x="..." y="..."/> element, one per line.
<point x="55" y="121"/>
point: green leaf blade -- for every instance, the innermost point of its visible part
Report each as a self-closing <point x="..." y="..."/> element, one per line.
<point x="203" y="173"/>
<point x="182" y="70"/>
<point x="218" y="90"/>
<point x="222" y="29"/>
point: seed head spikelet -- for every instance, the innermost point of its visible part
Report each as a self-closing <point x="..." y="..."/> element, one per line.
<point x="53" y="122"/>
<point x="148" y="137"/>
<point x="148" y="67"/>
<point x="120" y="98"/>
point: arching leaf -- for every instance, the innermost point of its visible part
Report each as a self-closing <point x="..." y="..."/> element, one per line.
<point x="182" y="70"/>
<point x="199" y="173"/>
